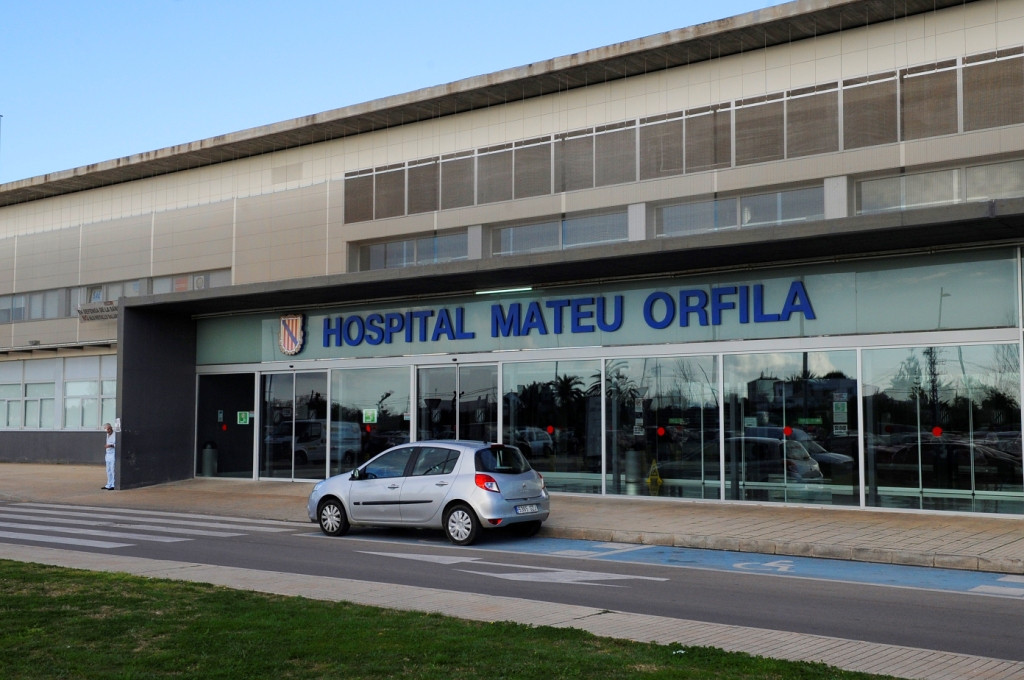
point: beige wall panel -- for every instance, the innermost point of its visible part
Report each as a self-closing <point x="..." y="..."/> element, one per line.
<point x="281" y="236"/>
<point x="97" y="331"/>
<point x="47" y="259"/>
<point x="7" y="248"/>
<point x="7" y="339"/>
<point x="337" y="238"/>
<point x="116" y="250"/>
<point x="193" y="239"/>
<point x="52" y="332"/>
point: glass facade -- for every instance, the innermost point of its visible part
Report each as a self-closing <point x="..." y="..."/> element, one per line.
<point x="790" y="385"/>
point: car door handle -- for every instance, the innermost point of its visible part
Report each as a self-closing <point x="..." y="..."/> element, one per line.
<point x="393" y="486"/>
<point x="441" y="484"/>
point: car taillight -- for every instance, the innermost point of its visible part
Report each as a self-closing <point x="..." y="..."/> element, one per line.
<point x="487" y="483"/>
<point x="543" y="485"/>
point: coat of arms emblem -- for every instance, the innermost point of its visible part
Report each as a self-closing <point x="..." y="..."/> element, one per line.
<point x="292" y="334"/>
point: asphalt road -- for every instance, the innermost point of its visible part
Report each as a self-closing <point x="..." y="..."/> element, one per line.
<point x="967" y="613"/>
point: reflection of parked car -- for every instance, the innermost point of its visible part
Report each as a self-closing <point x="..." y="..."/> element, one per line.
<point x="460" y="487"/>
<point x="834" y="466"/>
<point x="533" y="441"/>
<point x="310" y="443"/>
<point x="946" y="465"/>
<point x="346" y="441"/>
<point x="759" y="459"/>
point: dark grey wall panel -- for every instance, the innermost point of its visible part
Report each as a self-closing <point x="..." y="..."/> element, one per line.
<point x="75" y="447"/>
<point x="156" y="397"/>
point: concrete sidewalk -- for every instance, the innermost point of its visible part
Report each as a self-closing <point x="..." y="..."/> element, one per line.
<point x="962" y="542"/>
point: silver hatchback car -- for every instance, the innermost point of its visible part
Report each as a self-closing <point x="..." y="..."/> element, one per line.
<point x="457" y="486"/>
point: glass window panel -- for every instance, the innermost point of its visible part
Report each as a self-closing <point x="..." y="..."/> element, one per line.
<point x="41" y="370"/>
<point x="444" y="248"/>
<point x="495" y="177"/>
<point x="929" y="105"/>
<point x="399" y="254"/>
<point x="18" y="303"/>
<point x="709" y="141"/>
<point x="574" y="163"/>
<point x="372" y="257"/>
<point x="943" y="427"/>
<point x="91" y="413"/>
<point x="758" y="210"/>
<point x="109" y="387"/>
<point x="389" y="194"/>
<point x="53" y="304"/>
<point x="931" y="188"/>
<point x="73" y="411"/>
<point x="10" y="391"/>
<point x="217" y="279"/>
<point x="533" y="171"/>
<point x="760" y="133"/>
<point x="552" y="414"/>
<point x="999" y="180"/>
<point x="14" y="414"/>
<point x="802" y="204"/>
<point x="594" y="229"/>
<point x="47" y="413"/>
<point x="527" y="238"/>
<point x="81" y="367"/>
<point x="812" y="124"/>
<point x="81" y="388"/>
<point x="695" y="218"/>
<point x="358" y="199"/>
<point x="357" y="392"/>
<point x="5" y="308"/>
<point x="114" y="291"/>
<point x="109" y="411"/>
<point x="457" y="183"/>
<point x="32" y="413"/>
<point x="38" y="390"/>
<point x="35" y="306"/>
<point x="661" y="149"/>
<point x="424" y="184"/>
<point x="615" y="157"/>
<point x="869" y="115"/>
<point x="879" y="195"/>
<point x="786" y="413"/>
<point x="161" y="284"/>
<point x="993" y="94"/>
<point x="662" y="419"/>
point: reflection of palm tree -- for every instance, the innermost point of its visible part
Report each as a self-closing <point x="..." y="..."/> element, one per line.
<point x="567" y="390"/>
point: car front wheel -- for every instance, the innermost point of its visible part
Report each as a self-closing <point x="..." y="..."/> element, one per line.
<point x="461" y="525"/>
<point x="332" y="519"/>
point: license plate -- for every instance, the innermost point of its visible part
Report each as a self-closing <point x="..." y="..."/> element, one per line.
<point x="525" y="509"/>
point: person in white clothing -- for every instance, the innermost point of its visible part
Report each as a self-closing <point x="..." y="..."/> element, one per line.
<point x="108" y="455"/>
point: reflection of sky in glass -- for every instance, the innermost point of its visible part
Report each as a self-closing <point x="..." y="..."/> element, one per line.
<point x="975" y="368"/>
<point x="742" y="368"/>
<point x="693" y="379"/>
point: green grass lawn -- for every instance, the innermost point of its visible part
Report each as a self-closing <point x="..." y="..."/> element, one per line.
<point x="66" y="623"/>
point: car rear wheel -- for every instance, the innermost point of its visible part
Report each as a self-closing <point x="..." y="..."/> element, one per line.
<point x="461" y="525"/>
<point x="332" y="519"/>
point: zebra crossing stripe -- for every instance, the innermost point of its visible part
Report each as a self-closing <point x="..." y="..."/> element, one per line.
<point x="62" y="540"/>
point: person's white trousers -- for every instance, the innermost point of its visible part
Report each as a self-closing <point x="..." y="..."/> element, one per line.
<point x="109" y="458"/>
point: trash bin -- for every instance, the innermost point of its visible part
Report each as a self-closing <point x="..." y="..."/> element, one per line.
<point x="634" y="472"/>
<point x="209" y="459"/>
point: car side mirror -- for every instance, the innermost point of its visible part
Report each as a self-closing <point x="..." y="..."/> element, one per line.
<point x="357" y="474"/>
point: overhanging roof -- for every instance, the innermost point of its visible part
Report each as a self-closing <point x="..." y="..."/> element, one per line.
<point x="752" y="31"/>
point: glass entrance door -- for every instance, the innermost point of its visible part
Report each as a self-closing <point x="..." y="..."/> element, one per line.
<point x="293" y="413"/>
<point x="458" y="402"/>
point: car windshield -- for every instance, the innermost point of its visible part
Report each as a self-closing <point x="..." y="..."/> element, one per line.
<point x="501" y="459"/>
